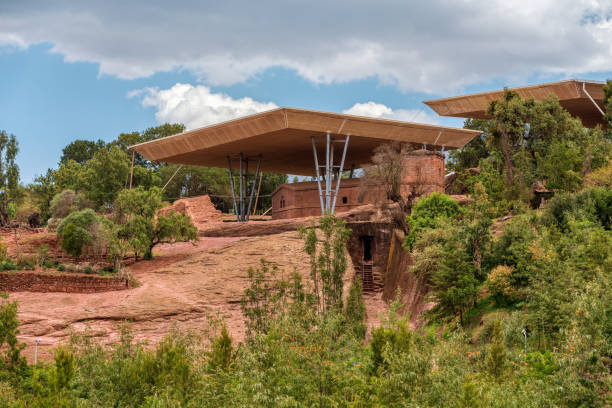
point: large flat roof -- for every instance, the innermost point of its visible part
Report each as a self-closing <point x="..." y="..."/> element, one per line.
<point x="282" y="137"/>
<point x="571" y="94"/>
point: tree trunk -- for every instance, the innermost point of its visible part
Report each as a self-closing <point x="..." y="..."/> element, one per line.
<point x="148" y="255"/>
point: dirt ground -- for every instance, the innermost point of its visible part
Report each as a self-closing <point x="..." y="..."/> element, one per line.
<point x="180" y="287"/>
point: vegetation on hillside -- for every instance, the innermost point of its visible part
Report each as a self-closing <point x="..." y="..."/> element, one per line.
<point x="522" y="304"/>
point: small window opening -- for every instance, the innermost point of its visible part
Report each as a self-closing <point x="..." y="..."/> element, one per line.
<point x="344" y="200"/>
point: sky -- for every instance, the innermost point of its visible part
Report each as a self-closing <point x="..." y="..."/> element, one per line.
<point x="94" y="69"/>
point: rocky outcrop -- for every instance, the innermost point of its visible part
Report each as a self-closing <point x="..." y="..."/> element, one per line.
<point x="200" y="209"/>
<point x="413" y="288"/>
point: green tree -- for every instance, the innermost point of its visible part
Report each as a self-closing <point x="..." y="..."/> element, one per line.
<point x="105" y="175"/>
<point x="9" y="330"/>
<point x="496" y="354"/>
<point x="327" y="261"/>
<point x="469" y="156"/>
<point x="427" y="213"/>
<point x="69" y="175"/>
<point x="608" y="102"/>
<point x="136" y="211"/>
<point x="44" y="189"/>
<point x="68" y="201"/>
<point x="81" y="151"/>
<point x="9" y="174"/>
<point x="75" y="231"/>
<point x="221" y="352"/>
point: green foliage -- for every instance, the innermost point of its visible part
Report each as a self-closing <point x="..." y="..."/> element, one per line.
<point x="601" y="177"/>
<point x="9" y="344"/>
<point x="395" y="337"/>
<point x="140" y="226"/>
<point x="221" y="353"/>
<point x="428" y="212"/>
<point x="327" y="260"/>
<point x="105" y="175"/>
<point x="84" y="229"/>
<point x="81" y="151"/>
<point x="74" y="238"/>
<point x="496" y="354"/>
<point x="9" y="174"/>
<point x="44" y="190"/>
<point x="264" y="298"/>
<point x="451" y="253"/>
<point x="66" y="202"/>
<point x="469" y="156"/>
<point x="608" y="102"/>
<point x="593" y="205"/>
<point x="528" y="141"/>
<point x="355" y="310"/>
<point x="63" y="372"/>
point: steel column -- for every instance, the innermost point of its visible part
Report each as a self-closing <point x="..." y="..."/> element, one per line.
<point x="328" y="172"/>
<point x="316" y="160"/>
<point x="346" y="142"/>
<point x="241" y="192"/>
<point x="229" y="169"/>
<point x="248" y="213"/>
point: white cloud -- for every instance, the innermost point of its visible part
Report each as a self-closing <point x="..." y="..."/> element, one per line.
<point x="433" y="46"/>
<point x="378" y="110"/>
<point x="196" y="106"/>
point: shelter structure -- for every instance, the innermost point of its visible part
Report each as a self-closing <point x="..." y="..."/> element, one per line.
<point x="581" y="98"/>
<point x="296" y="141"/>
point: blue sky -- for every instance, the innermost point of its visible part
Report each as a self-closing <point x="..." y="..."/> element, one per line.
<point x="95" y="70"/>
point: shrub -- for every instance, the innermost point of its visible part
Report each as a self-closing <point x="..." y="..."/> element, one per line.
<point x="593" y="204"/>
<point x="74" y="238"/>
<point x="427" y="212"/>
<point x="42" y="253"/>
<point x="496" y="354"/>
<point x="602" y="177"/>
<point x="499" y="283"/>
<point x="220" y="355"/>
<point x="68" y="201"/>
<point x="84" y="229"/>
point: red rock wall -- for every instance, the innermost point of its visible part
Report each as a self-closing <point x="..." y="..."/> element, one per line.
<point x="423" y="173"/>
<point x="413" y="288"/>
<point x="59" y="282"/>
<point x="200" y="209"/>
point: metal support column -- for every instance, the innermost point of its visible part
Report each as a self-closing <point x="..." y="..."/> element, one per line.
<point x="327" y="205"/>
<point x="346" y="142"/>
<point x="318" y="173"/>
<point x="328" y="171"/>
<point x="229" y="169"/>
<point x="248" y="213"/>
<point x="240" y="193"/>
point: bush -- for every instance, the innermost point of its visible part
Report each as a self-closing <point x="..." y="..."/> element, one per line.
<point x="601" y="177"/>
<point x="593" y="204"/>
<point x="74" y="238"/>
<point x="500" y="284"/>
<point x="83" y="229"/>
<point x="67" y="202"/>
<point x="427" y="212"/>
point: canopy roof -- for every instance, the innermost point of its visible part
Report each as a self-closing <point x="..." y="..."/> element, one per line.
<point x="282" y="137"/>
<point x="573" y="95"/>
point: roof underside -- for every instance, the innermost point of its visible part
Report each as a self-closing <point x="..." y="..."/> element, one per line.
<point x="282" y="137"/>
<point x="570" y="94"/>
